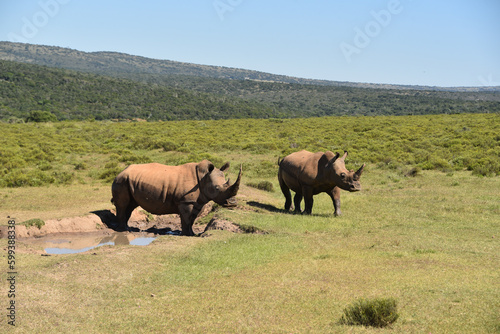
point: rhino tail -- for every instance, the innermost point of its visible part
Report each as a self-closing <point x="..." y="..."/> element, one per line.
<point x="279" y="161"/>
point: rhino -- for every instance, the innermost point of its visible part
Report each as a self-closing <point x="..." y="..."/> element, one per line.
<point x="161" y="189"/>
<point x="308" y="174"/>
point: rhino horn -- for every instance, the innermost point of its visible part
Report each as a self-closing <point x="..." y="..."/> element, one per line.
<point x="233" y="190"/>
<point x="360" y="170"/>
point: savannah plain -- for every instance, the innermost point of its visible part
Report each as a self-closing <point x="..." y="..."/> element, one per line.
<point x="424" y="230"/>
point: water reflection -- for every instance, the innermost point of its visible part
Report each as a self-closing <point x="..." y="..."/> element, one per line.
<point x="79" y="243"/>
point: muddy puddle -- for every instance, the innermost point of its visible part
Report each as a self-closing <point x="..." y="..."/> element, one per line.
<point x="72" y="243"/>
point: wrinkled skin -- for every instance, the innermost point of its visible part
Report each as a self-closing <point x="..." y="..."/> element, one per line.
<point x="161" y="189"/>
<point x="308" y="174"/>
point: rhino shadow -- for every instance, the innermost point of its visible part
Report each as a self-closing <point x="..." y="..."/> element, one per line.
<point x="272" y="208"/>
<point x="267" y="207"/>
<point x="109" y="219"/>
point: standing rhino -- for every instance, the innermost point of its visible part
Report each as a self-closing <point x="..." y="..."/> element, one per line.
<point x="161" y="189"/>
<point x="309" y="174"/>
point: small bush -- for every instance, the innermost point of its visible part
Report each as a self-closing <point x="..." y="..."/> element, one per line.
<point x="34" y="222"/>
<point x="413" y="172"/>
<point x="62" y="177"/>
<point x="81" y="166"/>
<point x="262" y="185"/>
<point x="168" y="146"/>
<point x="109" y="174"/>
<point x="379" y="312"/>
<point x="41" y="116"/>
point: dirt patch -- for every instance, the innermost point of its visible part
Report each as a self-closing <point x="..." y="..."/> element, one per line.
<point x="226" y="225"/>
<point x="105" y="221"/>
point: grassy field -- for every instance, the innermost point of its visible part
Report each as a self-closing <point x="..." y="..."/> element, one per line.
<point x="428" y="241"/>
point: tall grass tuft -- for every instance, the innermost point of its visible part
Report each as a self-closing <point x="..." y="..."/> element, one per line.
<point x="379" y="312"/>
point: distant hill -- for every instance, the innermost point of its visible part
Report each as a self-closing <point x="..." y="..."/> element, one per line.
<point x="76" y="85"/>
<point x="121" y="64"/>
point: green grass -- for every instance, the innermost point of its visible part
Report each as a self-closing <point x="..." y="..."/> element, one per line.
<point x="427" y="243"/>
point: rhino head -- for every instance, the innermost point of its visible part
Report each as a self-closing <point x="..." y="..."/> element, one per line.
<point x="345" y="179"/>
<point x="213" y="184"/>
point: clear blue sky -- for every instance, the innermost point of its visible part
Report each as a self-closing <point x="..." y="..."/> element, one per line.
<point x="416" y="42"/>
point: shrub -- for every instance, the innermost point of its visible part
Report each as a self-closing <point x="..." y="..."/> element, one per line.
<point x="131" y="158"/>
<point x="34" y="222"/>
<point x="63" y="177"/>
<point x="415" y="171"/>
<point x="379" y="312"/>
<point x="168" y="146"/>
<point x="262" y="185"/>
<point x="109" y="173"/>
<point x="41" y="116"/>
<point x="81" y="166"/>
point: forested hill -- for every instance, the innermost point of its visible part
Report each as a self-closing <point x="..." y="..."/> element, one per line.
<point x="67" y="94"/>
<point x="121" y="64"/>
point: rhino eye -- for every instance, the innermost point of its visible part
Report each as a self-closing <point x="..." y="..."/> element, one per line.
<point x="342" y="175"/>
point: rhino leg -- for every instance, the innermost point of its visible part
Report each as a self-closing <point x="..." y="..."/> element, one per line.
<point x="308" y="199"/>
<point x="123" y="213"/>
<point x="296" y="201"/>
<point x="124" y="204"/>
<point x="188" y="214"/>
<point x="335" y="195"/>
<point x="286" y="192"/>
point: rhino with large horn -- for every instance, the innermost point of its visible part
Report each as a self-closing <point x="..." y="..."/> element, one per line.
<point x="161" y="189"/>
<point x="308" y="174"/>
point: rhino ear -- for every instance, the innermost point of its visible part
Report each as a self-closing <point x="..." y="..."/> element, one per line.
<point x="344" y="156"/>
<point x="203" y="168"/>
<point x="225" y="167"/>
<point x="332" y="160"/>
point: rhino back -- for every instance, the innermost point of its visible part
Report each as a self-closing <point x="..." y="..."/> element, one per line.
<point x="158" y="188"/>
<point x="305" y="168"/>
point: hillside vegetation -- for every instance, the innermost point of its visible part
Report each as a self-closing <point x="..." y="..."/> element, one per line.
<point x="70" y="95"/>
<point x="59" y="153"/>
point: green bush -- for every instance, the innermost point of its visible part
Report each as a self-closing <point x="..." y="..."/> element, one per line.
<point x="379" y="312"/>
<point x="81" y="166"/>
<point x="41" y="116"/>
<point x="168" y="146"/>
<point x="110" y="173"/>
<point x="262" y="185"/>
<point x="34" y="222"/>
<point x="62" y="177"/>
